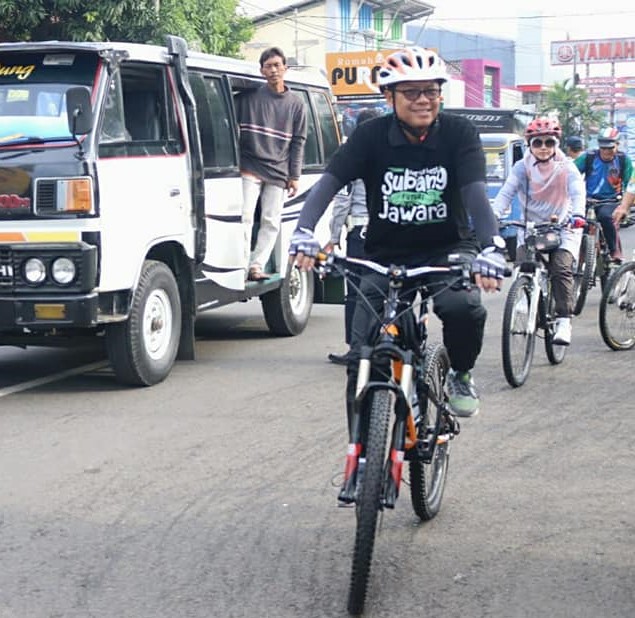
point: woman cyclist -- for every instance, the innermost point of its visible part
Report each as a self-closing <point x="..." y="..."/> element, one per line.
<point x="549" y="185"/>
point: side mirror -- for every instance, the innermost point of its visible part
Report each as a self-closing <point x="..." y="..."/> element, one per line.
<point x="79" y="111"/>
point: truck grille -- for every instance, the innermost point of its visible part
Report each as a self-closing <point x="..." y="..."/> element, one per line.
<point x="6" y="269"/>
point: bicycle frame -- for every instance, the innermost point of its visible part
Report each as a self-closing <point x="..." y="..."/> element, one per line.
<point x="534" y="267"/>
<point x="394" y="322"/>
<point x="604" y="264"/>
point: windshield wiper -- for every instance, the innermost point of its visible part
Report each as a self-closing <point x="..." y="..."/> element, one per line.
<point x="12" y="140"/>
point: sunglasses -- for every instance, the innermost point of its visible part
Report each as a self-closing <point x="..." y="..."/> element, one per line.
<point x="412" y="94"/>
<point x="537" y="142"/>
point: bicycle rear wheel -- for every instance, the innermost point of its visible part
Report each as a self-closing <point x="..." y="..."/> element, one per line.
<point x="427" y="479"/>
<point x="517" y="342"/>
<point x="617" y="309"/>
<point x="583" y="277"/>
<point x="369" y="502"/>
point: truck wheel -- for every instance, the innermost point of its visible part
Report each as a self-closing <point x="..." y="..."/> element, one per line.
<point x="288" y="308"/>
<point x="143" y="348"/>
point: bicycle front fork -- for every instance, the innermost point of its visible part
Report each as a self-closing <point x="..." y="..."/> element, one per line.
<point x="403" y="429"/>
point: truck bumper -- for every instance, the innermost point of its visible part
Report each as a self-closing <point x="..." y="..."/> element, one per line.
<point x="44" y="312"/>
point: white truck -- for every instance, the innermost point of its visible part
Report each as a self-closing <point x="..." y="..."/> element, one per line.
<point x="120" y="198"/>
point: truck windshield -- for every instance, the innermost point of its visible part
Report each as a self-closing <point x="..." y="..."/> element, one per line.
<point x="496" y="149"/>
<point x="33" y="93"/>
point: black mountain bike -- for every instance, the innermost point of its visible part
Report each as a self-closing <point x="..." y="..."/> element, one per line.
<point x="595" y="261"/>
<point x="617" y="309"/>
<point x="530" y="306"/>
<point x="401" y="412"/>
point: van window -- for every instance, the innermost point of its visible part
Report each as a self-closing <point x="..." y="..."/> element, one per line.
<point x="150" y="125"/>
<point x="312" y="145"/>
<point x="212" y="110"/>
<point x="517" y="153"/>
<point x="328" y="124"/>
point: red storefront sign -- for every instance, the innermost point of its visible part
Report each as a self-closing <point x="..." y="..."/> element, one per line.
<point x="592" y="51"/>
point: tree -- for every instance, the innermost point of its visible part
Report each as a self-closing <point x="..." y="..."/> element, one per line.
<point x="578" y="115"/>
<point x="212" y="26"/>
<point x="77" y="20"/>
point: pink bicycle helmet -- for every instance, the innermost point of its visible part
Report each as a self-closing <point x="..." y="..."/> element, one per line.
<point x="608" y="137"/>
<point x="543" y="126"/>
<point x="412" y="64"/>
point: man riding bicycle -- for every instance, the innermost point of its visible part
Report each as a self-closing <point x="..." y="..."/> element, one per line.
<point x="424" y="172"/>
<point x="608" y="177"/>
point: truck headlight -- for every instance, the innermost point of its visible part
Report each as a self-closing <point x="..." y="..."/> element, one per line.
<point x="63" y="270"/>
<point x="34" y="271"/>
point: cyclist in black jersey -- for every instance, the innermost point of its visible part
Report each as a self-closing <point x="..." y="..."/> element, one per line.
<point x="424" y="172"/>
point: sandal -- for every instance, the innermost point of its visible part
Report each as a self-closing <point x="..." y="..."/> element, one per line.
<point x="256" y="274"/>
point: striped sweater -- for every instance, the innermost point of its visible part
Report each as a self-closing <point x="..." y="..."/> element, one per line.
<point x="272" y="134"/>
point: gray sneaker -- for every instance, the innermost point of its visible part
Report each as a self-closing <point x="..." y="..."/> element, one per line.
<point x="462" y="396"/>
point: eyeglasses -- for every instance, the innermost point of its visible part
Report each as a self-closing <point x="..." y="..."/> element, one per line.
<point x="537" y="142"/>
<point x="412" y="94"/>
<point x="607" y="147"/>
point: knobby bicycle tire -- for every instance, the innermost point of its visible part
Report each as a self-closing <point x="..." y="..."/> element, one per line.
<point x="555" y="353"/>
<point x="617" y="309"/>
<point x="369" y="502"/>
<point x="517" y="343"/>
<point x="583" y="278"/>
<point x="427" y="480"/>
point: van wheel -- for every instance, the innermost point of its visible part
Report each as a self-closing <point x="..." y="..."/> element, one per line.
<point x="143" y="348"/>
<point x="288" y="308"/>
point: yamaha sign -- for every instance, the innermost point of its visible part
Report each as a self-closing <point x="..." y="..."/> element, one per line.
<point x="592" y="51"/>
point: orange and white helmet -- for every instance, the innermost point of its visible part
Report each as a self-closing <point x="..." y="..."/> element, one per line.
<point x="412" y="64"/>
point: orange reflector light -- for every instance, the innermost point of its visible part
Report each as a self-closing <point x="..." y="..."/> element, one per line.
<point x="76" y="195"/>
<point x="49" y="312"/>
<point x="391" y="329"/>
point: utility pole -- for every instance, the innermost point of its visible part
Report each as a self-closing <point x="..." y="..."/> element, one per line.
<point x="612" y="90"/>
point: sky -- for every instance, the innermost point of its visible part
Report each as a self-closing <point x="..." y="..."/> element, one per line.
<point x="560" y="19"/>
<point x="495" y="17"/>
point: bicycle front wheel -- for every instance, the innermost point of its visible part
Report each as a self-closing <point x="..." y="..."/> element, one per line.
<point x="617" y="309"/>
<point x="427" y="479"/>
<point x="517" y="342"/>
<point x="369" y="501"/>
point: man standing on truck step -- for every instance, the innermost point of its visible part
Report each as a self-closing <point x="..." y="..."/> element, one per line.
<point x="273" y="131"/>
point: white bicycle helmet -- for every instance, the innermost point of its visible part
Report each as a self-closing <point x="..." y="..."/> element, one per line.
<point x="412" y="64"/>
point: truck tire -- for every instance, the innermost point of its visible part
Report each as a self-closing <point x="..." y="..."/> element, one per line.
<point x="287" y="308"/>
<point x="142" y="349"/>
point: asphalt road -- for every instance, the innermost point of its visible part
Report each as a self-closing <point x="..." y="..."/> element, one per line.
<point x="213" y="494"/>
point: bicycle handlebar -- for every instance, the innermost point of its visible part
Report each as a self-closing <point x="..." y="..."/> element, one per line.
<point x="592" y="201"/>
<point x="537" y="226"/>
<point x="394" y="270"/>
